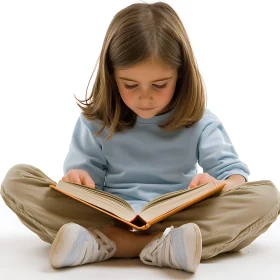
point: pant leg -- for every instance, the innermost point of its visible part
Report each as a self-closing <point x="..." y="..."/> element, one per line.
<point x="231" y="220"/>
<point x="25" y="190"/>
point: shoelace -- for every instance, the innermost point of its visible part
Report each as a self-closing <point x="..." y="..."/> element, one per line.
<point x="106" y="247"/>
<point x="160" y="252"/>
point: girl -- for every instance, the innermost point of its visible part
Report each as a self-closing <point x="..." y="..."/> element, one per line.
<point x="140" y="134"/>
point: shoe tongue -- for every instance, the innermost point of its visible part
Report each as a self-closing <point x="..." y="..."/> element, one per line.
<point x="166" y="232"/>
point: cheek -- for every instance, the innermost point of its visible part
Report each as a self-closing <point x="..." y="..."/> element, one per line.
<point x="125" y="95"/>
<point x="167" y="94"/>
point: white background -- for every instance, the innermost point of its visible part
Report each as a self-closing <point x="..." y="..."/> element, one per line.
<point x="49" y="50"/>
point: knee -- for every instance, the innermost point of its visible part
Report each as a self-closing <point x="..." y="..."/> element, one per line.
<point x="269" y="192"/>
<point x="12" y="178"/>
<point x="263" y="196"/>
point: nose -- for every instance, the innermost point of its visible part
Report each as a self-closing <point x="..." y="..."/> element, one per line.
<point x="145" y="94"/>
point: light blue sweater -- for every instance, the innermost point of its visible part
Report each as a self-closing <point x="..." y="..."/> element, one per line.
<point x="144" y="162"/>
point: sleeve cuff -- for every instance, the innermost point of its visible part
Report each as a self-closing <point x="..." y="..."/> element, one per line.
<point x="245" y="175"/>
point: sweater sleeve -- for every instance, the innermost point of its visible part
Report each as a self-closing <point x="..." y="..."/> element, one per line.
<point x="85" y="153"/>
<point x="216" y="154"/>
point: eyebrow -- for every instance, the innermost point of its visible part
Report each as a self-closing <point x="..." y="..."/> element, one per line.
<point x="163" y="79"/>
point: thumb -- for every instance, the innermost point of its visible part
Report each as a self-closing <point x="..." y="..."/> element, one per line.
<point x="194" y="182"/>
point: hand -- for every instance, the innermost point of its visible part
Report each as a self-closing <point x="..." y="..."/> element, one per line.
<point x="78" y="176"/>
<point x="202" y="178"/>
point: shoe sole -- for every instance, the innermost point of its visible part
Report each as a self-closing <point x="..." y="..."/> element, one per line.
<point x="198" y="248"/>
<point x="55" y="243"/>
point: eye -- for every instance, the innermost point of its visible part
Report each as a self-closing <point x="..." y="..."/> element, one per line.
<point x="160" y="86"/>
<point x="134" y="86"/>
<point x="127" y="86"/>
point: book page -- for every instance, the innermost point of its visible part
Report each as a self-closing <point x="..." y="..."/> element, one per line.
<point x="102" y="199"/>
<point x="167" y="196"/>
<point x="163" y="206"/>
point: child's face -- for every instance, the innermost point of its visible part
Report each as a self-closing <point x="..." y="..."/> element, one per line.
<point x="145" y="91"/>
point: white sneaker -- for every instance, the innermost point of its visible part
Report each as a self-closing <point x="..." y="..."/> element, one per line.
<point x="75" y="245"/>
<point x="178" y="248"/>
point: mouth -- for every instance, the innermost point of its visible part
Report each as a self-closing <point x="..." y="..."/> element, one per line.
<point x="145" y="109"/>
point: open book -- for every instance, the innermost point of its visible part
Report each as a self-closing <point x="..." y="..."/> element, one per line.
<point x="153" y="212"/>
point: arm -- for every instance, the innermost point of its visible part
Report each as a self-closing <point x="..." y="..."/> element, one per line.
<point x="85" y="153"/>
<point x="217" y="155"/>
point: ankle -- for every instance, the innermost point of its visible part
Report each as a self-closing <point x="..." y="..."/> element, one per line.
<point x="129" y="244"/>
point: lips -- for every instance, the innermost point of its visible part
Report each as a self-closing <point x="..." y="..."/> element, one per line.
<point x="145" y="108"/>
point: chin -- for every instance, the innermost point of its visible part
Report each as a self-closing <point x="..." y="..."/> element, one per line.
<point x="146" y="114"/>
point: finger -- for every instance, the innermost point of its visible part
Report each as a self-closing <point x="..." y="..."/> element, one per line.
<point x="66" y="178"/>
<point x="195" y="181"/>
<point x="74" y="178"/>
<point x="87" y="181"/>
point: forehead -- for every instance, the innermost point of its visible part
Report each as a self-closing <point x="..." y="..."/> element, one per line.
<point x="146" y="70"/>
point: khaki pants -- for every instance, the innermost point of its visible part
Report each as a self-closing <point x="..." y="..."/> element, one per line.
<point x="229" y="221"/>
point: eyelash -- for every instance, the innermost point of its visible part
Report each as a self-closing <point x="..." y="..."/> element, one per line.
<point x="131" y="87"/>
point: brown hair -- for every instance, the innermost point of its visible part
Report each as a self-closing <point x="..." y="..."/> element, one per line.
<point x="138" y="32"/>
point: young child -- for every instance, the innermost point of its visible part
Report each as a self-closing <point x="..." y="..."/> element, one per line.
<point x="141" y="133"/>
